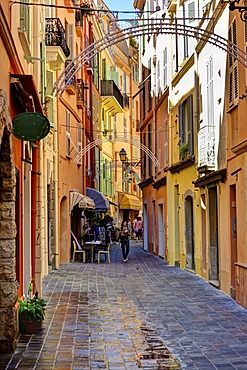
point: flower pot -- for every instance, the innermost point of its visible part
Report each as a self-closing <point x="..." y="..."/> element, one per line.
<point x="27" y="327"/>
<point x="39" y="324"/>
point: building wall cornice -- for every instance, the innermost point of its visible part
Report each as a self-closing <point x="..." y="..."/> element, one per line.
<point x="8" y="42"/>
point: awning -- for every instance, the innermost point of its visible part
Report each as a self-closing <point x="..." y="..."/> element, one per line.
<point x="112" y="203"/>
<point x="27" y="93"/>
<point x="76" y="198"/>
<point x="86" y="203"/>
<point x="100" y="200"/>
<point x="127" y="201"/>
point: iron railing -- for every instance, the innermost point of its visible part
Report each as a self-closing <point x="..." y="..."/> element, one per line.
<point x="126" y="102"/>
<point x="78" y="17"/>
<point x="109" y="88"/>
<point x="79" y="90"/>
<point x="55" y="35"/>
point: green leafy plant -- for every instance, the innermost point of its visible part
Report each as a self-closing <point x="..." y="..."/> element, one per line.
<point x="183" y="151"/>
<point x="32" y="309"/>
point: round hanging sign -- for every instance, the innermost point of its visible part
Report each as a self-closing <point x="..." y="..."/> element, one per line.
<point x="30" y="126"/>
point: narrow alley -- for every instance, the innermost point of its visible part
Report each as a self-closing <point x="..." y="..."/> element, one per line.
<point x="131" y="315"/>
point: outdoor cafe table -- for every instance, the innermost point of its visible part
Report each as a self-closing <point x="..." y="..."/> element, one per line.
<point x="92" y="244"/>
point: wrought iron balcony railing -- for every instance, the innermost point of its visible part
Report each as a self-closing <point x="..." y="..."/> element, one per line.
<point x="126" y="102"/>
<point x="80" y="90"/>
<point x="55" y="35"/>
<point x="78" y="17"/>
<point x="109" y="88"/>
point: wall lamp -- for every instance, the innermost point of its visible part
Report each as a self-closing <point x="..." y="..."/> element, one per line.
<point x="124" y="159"/>
<point x="233" y="5"/>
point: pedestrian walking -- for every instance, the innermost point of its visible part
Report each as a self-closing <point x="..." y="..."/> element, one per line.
<point x="139" y="228"/>
<point x="134" y="227"/>
<point x="124" y="240"/>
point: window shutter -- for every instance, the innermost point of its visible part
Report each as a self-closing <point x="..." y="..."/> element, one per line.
<point x="233" y="67"/>
<point x="70" y="39"/>
<point x="165" y="67"/>
<point x="50" y="99"/>
<point x="191" y="11"/>
<point x="181" y="123"/>
<point x="67" y="133"/>
<point x="190" y="125"/>
<point x="166" y="144"/>
<point x="158" y="78"/>
<point x="25" y="18"/>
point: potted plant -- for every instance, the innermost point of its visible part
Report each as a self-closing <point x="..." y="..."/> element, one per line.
<point x="183" y="151"/>
<point x="31" y="313"/>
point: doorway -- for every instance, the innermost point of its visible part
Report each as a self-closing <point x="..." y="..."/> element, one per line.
<point x="233" y="230"/>
<point x="65" y="247"/>
<point x="213" y="237"/>
<point x="161" y="233"/>
<point x="145" y="228"/>
<point x="189" y="233"/>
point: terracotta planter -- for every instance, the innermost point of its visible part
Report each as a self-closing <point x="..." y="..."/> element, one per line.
<point x="27" y="327"/>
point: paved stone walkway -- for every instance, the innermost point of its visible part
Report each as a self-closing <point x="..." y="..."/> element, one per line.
<point x="139" y="314"/>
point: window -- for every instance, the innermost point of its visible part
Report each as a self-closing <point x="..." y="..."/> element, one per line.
<point x="69" y="30"/>
<point x="50" y="105"/>
<point x="191" y="11"/>
<point x="125" y="127"/>
<point x="158" y="78"/>
<point x="68" y="144"/>
<point x="150" y="148"/>
<point x="25" y="18"/>
<point x="233" y="66"/>
<point x="79" y="143"/>
<point x="166" y="136"/>
<point x="186" y="124"/>
<point x="165" y="67"/>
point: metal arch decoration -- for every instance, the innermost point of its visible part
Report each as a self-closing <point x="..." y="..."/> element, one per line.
<point x="158" y="26"/>
<point x="119" y="165"/>
<point x="133" y="142"/>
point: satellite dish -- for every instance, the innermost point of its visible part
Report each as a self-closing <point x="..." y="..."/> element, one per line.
<point x="30" y="126"/>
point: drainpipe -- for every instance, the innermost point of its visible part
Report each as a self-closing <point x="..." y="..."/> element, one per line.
<point x="56" y="199"/>
<point x="33" y="210"/>
<point x="34" y="172"/>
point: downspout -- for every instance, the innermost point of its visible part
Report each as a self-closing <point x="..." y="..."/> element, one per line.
<point x="33" y="211"/>
<point x="56" y="198"/>
<point x="34" y="182"/>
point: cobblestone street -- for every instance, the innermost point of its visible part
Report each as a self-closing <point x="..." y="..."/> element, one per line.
<point x="132" y="315"/>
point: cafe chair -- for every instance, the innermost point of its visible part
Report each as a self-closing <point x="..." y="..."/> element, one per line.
<point x="78" y="251"/>
<point x="105" y="253"/>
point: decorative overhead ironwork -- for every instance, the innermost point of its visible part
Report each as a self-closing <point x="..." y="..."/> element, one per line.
<point x="233" y="5"/>
<point x="123" y="139"/>
<point x="159" y="25"/>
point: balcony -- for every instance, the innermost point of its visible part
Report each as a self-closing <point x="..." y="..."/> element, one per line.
<point x="126" y="103"/>
<point x="78" y="22"/>
<point x="111" y="97"/>
<point x="70" y="80"/>
<point x="80" y="93"/>
<point x="137" y="125"/>
<point x="57" y="48"/>
<point x="206" y="148"/>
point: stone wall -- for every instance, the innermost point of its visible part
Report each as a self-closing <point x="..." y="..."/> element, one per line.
<point x="8" y="284"/>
